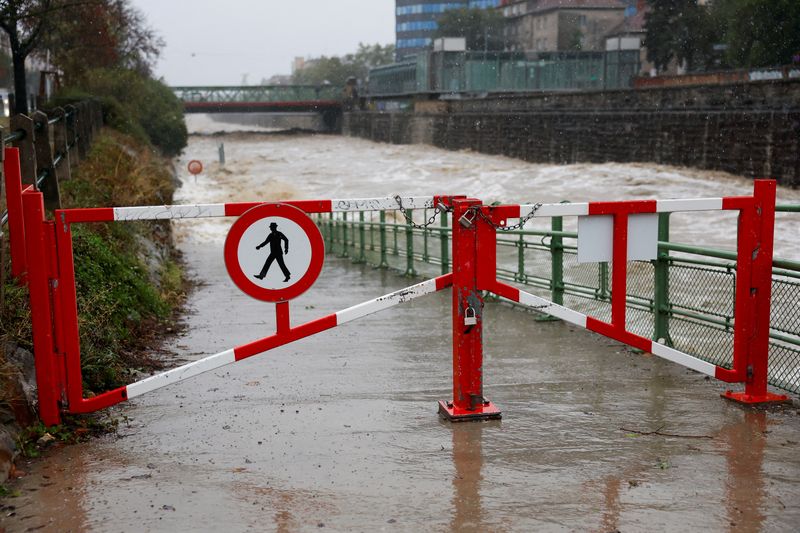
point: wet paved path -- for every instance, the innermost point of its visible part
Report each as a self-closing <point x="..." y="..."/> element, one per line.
<point x="339" y="431"/>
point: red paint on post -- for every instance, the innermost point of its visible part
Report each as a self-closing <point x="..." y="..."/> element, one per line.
<point x="468" y="402"/>
<point x="628" y="207"/>
<point x="754" y="286"/>
<point x="309" y="206"/>
<point x="16" y="225"/>
<point x="41" y="312"/>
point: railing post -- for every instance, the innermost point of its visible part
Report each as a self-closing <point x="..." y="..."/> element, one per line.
<point x="72" y="134"/>
<point x="61" y="144"/>
<point x="384" y="263"/>
<point x="344" y="235"/>
<point x="520" y="275"/>
<point x="410" y="271"/>
<point x="602" y="273"/>
<point x="44" y="162"/>
<point x="16" y="223"/>
<point x="557" y="261"/>
<point x="425" y="257"/>
<point x="468" y="402"/>
<point x="445" y="250"/>
<point x="754" y="286"/>
<point x="41" y="309"/>
<point x="27" y="153"/>
<point x="362" y="253"/>
<point x="82" y="129"/>
<point x="661" y="306"/>
<point x="331" y="237"/>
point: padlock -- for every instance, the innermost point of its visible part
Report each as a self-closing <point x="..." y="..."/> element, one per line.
<point x="469" y="317"/>
<point x="467" y="219"/>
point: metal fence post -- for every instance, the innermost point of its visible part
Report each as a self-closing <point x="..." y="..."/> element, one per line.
<point x="41" y="309"/>
<point x="445" y="249"/>
<point x="557" y="261"/>
<point x="425" y="258"/>
<point x="44" y="162"/>
<point x="362" y="255"/>
<point x="61" y="144"/>
<point x="72" y="134"/>
<point x="603" y="293"/>
<point x="468" y="401"/>
<point x="27" y="154"/>
<point x="384" y="263"/>
<point x="520" y="275"/>
<point x="661" y="307"/>
<point x="344" y="235"/>
<point x="410" y="244"/>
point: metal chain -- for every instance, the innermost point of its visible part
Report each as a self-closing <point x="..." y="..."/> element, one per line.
<point x="522" y="221"/>
<point x="403" y="210"/>
<point x="476" y="210"/>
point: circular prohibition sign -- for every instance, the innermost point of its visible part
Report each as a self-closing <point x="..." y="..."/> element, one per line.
<point x="274" y="252"/>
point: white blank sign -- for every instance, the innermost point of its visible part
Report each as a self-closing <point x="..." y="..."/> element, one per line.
<point x="596" y="238"/>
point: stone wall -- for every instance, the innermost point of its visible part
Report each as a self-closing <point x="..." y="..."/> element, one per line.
<point x="749" y="129"/>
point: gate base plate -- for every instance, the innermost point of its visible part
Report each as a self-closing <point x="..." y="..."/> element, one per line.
<point x="485" y="411"/>
<point x="749" y="399"/>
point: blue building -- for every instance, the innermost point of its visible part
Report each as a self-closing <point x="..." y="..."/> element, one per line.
<point x="417" y="21"/>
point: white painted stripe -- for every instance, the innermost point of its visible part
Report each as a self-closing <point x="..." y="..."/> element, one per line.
<point x="546" y="306"/>
<point x="693" y="204"/>
<point x="181" y="373"/>
<point x="670" y="354"/>
<point x="385" y="302"/>
<point x="555" y="210"/>
<point x="379" y="204"/>
<point x="163" y="212"/>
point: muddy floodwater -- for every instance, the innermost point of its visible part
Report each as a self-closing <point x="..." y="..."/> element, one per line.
<point x="339" y="431"/>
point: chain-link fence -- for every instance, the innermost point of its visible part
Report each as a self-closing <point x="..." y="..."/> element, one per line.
<point x="685" y="298"/>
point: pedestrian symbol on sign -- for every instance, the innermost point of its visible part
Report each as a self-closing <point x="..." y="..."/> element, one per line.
<point x="274" y="227"/>
<point x="275" y="254"/>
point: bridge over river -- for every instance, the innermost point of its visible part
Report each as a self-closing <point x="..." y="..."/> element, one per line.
<point x="339" y="431"/>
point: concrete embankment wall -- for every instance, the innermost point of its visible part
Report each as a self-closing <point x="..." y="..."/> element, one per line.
<point x="747" y="129"/>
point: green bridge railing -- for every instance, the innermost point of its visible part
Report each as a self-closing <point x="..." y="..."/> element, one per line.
<point x="684" y="298"/>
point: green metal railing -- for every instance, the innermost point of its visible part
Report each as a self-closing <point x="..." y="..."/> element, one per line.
<point x="684" y="298"/>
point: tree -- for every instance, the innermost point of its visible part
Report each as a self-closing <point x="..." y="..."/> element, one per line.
<point x="681" y="30"/>
<point x="336" y="70"/>
<point x="761" y="33"/>
<point x="118" y="38"/>
<point x="25" y="21"/>
<point x="483" y="28"/>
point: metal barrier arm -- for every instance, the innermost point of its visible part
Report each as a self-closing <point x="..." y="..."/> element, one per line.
<point x="284" y="335"/>
<point x="173" y="212"/>
<point x="579" y="319"/>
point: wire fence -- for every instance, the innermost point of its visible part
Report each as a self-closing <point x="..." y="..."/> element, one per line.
<point x="684" y="298"/>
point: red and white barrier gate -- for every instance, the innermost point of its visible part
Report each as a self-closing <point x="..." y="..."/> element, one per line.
<point x="43" y="258"/>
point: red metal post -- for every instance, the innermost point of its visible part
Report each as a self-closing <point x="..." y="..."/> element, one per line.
<point x="41" y="312"/>
<point x="468" y="402"/>
<point x="16" y="226"/>
<point x="754" y="293"/>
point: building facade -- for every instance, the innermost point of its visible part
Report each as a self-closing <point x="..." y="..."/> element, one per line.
<point x="561" y="25"/>
<point x="416" y="21"/>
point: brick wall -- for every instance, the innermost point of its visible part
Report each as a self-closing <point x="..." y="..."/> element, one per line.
<point x="751" y="129"/>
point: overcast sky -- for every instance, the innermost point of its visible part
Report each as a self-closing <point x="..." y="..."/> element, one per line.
<point x="218" y="41"/>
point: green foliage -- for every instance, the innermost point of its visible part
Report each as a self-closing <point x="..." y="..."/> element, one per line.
<point x="483" y="28"/>
<point x="137" y="105"/>
<point x="336" y="70"/>
<point x="753" y="33"/>
<point x="761" y="33"/>
<point x="682" y="30"/>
